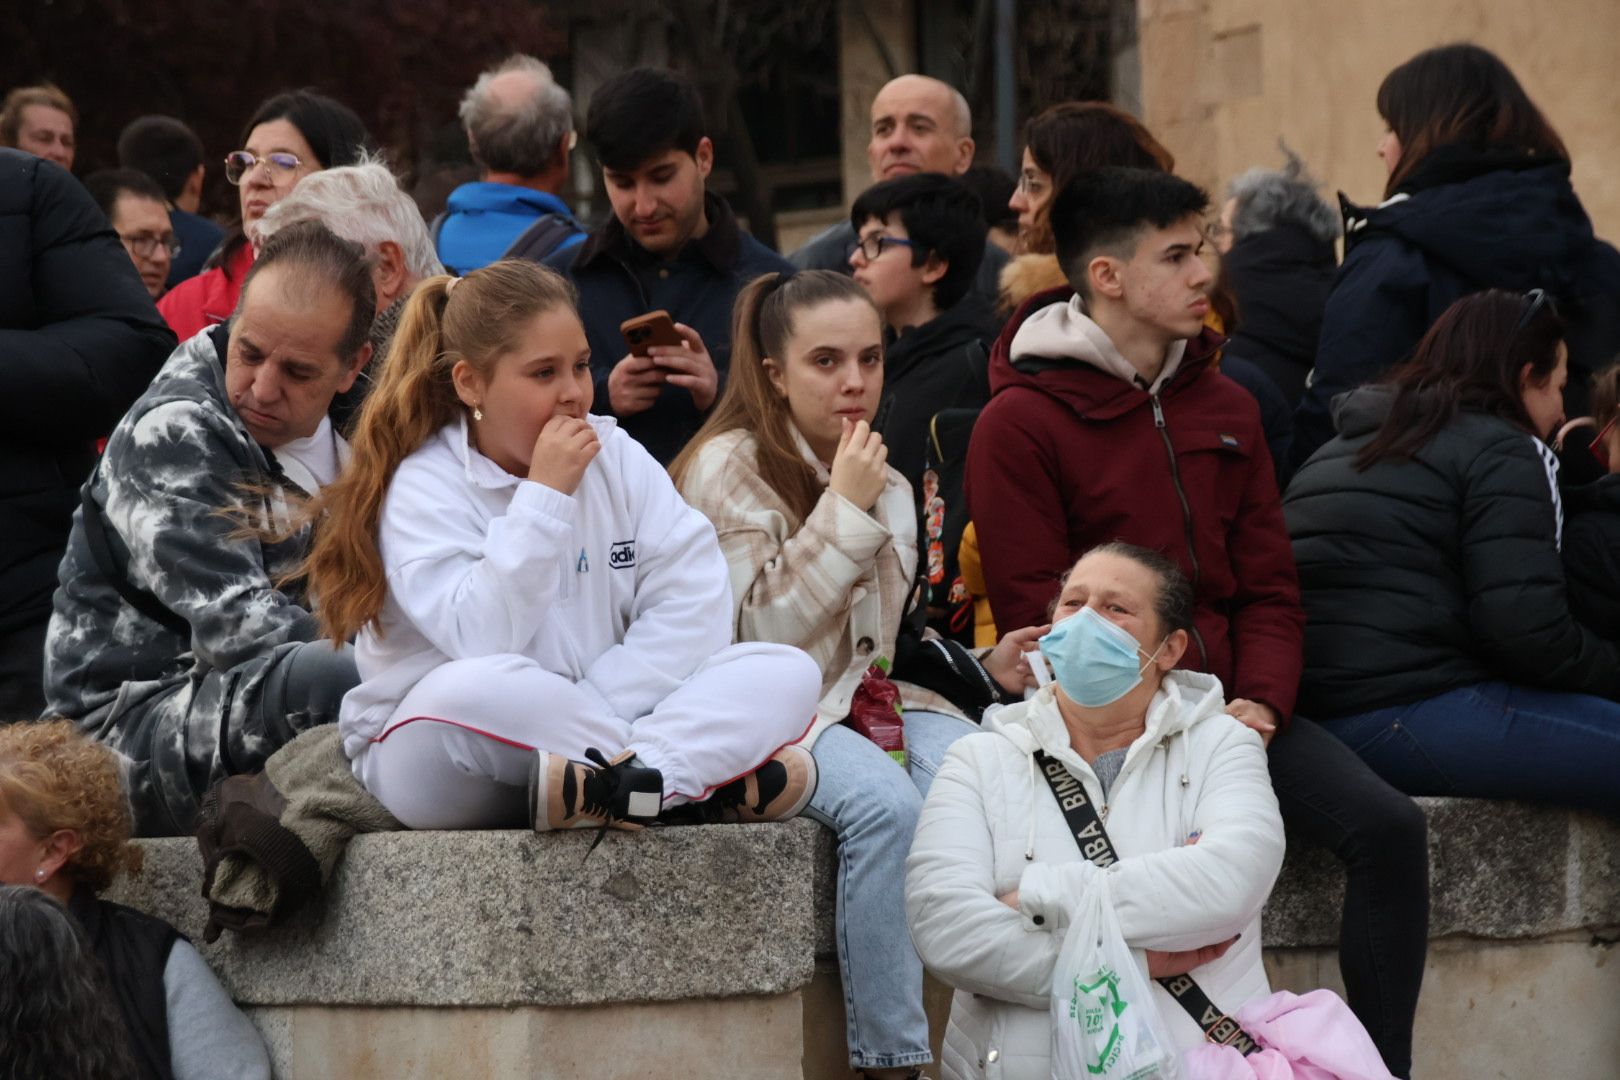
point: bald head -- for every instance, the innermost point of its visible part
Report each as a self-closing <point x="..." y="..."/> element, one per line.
<point x="919" y="124"/>
<point x="519" y="121"/>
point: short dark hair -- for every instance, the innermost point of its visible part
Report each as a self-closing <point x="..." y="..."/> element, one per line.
<point x="105" y="185"/>
<point x="941" y="216"/>
<point x="163" y="148"/>
<point x="1111" y="208"/>
<point x="329" y="262"/>
<point x="641" y="113"/>
<point x="330" y="127"/>
<point x="1175" y="603"/>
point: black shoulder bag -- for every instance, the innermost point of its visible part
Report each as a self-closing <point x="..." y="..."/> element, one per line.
<point x="1094" y="844"/>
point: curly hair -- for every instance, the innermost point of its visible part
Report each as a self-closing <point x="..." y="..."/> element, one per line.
<point x="54" y="777"/>
<point x="57" y="1015"/>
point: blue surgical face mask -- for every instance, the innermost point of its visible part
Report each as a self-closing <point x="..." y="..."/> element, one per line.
<point x="1095" y="662"/>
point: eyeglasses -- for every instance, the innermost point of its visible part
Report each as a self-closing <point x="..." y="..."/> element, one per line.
<point x="144" y="244"/>
<point x="1597" y="448"/>
<point x="873" y="246"/>
<point x="238" y="163"/>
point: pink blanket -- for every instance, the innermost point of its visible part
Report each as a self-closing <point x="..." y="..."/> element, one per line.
<point x="1314" y="1037"/>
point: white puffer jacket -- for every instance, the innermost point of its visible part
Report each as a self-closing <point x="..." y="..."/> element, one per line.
<point x="992" y="825"/>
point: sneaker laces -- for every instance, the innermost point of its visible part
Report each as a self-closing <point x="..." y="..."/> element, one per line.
<point x="597" y="791"/>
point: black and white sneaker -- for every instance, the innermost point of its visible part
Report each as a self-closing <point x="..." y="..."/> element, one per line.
<point x="617" y="794"/>
<point x="776" y="791"/>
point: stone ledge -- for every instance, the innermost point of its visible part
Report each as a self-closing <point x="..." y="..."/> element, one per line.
<point x="510" y="918"/>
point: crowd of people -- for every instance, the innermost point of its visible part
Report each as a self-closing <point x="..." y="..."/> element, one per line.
<point x="1075" y="478"/>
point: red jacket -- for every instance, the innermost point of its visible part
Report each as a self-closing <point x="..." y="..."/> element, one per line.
<point x="209" y="298"/>
<point x="1067" y="456"/>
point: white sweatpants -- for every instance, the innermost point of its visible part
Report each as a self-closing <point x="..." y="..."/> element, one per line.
<point x="457" y="752"/>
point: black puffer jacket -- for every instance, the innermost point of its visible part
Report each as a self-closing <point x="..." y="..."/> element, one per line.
<point x="79" y="341"/>
<point x="1281" y="277"/>
<point x="1471" y="220"/>
<point x="1423" y="575"/>
<point x="1592" y="555"/>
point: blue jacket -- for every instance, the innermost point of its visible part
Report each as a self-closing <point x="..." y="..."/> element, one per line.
<point x="483" y="219"/>
<point x="198" y="237"/>
<point x="1472" y="220"/>
<point x="618" y="279"/>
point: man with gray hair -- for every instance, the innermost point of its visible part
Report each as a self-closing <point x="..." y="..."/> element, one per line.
<point x="919" y="124"/>
<point x="364" y="205"/>
<point x="520" y="128"/>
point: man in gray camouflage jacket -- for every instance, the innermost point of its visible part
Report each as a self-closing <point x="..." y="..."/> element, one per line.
<point x="171" y="639"/>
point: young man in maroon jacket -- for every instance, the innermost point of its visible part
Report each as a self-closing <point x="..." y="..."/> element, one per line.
<point x="1108" y="420"/>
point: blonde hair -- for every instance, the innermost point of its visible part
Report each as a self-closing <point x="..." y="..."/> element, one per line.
<point x="53" y="777"/>
<point x="47" y="94"/>
<point x="1606" y="394"/>
<point x="413" y="397"/>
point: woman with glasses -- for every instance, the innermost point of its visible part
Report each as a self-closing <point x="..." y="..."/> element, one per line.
<point x="1439" y="642"/>
<point x="1478" y="197"/>
<point x="289" y="136"/>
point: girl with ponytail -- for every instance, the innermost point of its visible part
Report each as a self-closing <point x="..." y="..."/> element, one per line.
<point x="821" y="538"/>
<point x="543" y="625"/>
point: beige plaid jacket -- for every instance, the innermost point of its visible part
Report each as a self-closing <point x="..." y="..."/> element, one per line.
<point x="835" y="586"/>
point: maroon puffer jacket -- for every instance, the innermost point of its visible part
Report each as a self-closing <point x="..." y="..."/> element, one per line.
<point x="1066" y="456"/>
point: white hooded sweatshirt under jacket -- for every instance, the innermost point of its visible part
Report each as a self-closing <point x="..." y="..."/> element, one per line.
<point x="1193" y="771"/>
<point x="620" y="587"/>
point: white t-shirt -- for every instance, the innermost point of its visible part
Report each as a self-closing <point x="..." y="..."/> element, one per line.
<point x="313" y="462"/>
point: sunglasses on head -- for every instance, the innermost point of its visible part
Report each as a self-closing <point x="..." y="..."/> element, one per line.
<point x="1597" y="447"/>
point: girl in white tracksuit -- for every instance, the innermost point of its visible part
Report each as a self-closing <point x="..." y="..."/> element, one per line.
<point x="528" y="587"/>
<point x="1185" y="797"/>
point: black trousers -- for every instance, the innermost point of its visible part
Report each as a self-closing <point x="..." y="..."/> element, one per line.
<point x="1330" y="797"/>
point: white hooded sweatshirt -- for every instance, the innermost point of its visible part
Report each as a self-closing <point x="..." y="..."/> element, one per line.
<point x="620" y="586"/>
<point x="991" y="825"/>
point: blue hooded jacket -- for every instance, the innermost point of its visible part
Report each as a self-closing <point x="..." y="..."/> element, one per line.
<point x="482" y="220"/>
<point x="1465" y="221"/>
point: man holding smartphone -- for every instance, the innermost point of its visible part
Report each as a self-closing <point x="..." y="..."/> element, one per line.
<point x="670" y="246"/>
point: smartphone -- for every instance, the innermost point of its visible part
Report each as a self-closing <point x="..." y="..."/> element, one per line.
<point x="653" y="328"/>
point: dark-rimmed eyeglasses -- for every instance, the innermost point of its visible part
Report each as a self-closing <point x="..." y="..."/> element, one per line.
<point x="873" y="246"/>
<point x="143" y="244"/>
<point x="238" y="163"/>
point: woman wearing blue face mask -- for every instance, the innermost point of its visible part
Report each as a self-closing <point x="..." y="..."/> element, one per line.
<point x="1180" y="787"/>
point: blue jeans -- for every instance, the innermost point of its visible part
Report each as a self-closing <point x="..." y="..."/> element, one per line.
<point x="871" y="803"/>
<point x="1495" y="740"/>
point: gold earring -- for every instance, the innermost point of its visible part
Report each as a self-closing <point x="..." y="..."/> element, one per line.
<point x="478" y="414"/>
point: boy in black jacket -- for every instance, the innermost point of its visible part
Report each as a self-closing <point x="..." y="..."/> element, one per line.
<point x="921" y="239"/>
<point x="1592" y="537"/>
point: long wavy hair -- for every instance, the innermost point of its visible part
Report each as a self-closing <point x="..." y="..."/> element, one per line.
<point x="1469" y="361"/>
<point x="476" y="319"/>
<point x="761" y="325"/>
<point x="1460" y="94"/>
<point x="57" y="1014"/>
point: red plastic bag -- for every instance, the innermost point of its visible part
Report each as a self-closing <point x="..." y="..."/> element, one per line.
<point x="875" y="711"/>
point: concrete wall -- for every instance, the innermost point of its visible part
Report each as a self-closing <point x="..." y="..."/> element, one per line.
<point x="1222" y="79"/>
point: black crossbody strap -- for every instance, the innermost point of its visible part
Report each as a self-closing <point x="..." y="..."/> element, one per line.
<point x="1095" y="845"/>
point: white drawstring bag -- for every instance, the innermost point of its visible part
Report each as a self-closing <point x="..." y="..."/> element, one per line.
<point x="1105" y="1025"/>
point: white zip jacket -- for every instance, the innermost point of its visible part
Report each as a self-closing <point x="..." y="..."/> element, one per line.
<point x="620" y="587"/>
<point x="1194" y="770"/>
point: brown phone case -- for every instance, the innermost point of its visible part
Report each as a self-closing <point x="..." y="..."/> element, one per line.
<point x="653" y="328"/>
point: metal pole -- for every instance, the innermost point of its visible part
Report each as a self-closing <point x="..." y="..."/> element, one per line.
<point x="1007" y="150"/>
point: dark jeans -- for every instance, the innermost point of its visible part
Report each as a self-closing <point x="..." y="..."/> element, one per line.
<point x="1330" y="798"/>
<point x="22" y="673"/>
<point x="1494" y="740"/>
